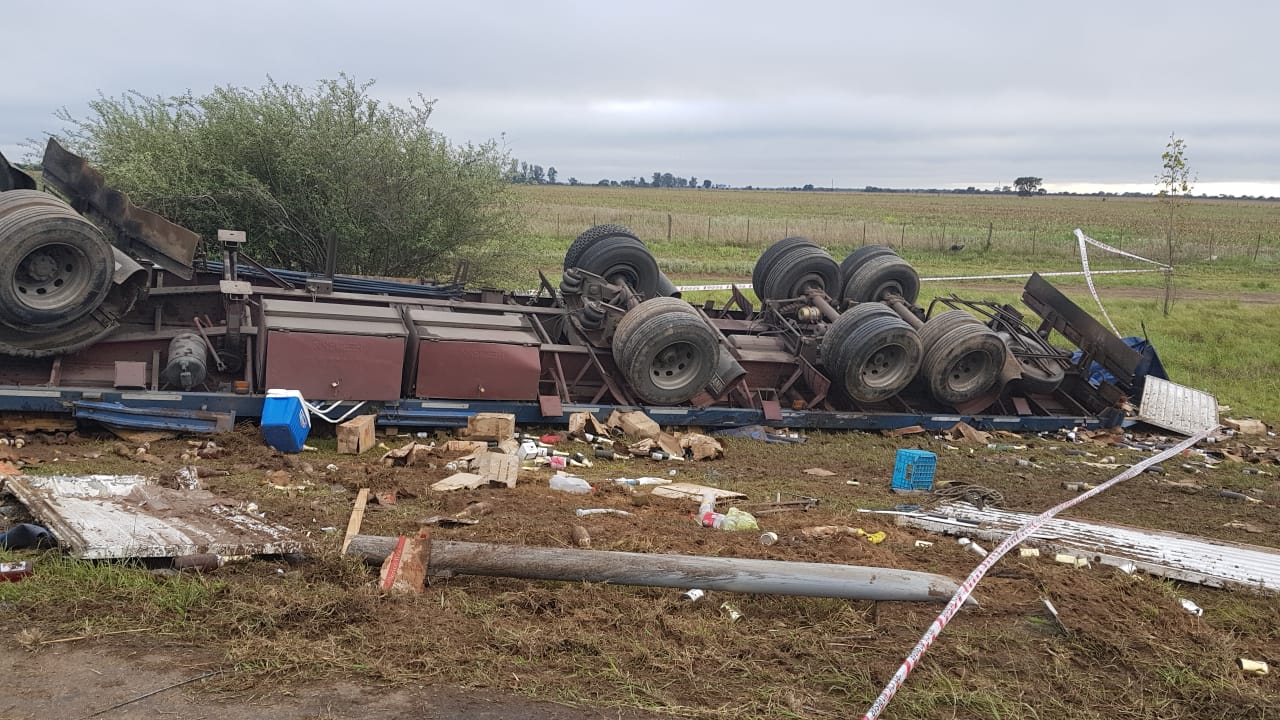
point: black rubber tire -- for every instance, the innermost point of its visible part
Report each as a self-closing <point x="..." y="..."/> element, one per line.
<point x="879" y="359"/>
<point x="963" y="364"/>
<point x="623" y="261"/>
<point x="593" y="235"/>
<point x="760" y="270"/>
<point x="842" y="328"/>
<point x="638" y="315"/>
<point x="15" y="200"/>
<point x="798" y="270"/>
<point x="942" y="323"/>
<point x="55" y="268"/>
<point x="878" y="277"/>
<point x="669" y="357"/>
<point x="857" y="258"/>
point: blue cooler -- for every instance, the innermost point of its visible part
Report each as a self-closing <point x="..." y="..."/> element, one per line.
<point x="285" y="421"/>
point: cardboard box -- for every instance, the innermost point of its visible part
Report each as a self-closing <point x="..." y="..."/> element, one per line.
<point x="490" y="426"/>
<point x="357" y="435"/>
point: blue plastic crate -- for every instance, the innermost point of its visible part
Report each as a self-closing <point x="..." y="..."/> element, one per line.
<point x="913" y="470"/>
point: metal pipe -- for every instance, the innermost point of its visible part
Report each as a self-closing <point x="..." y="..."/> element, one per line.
<point x="820" y="301"/>
<point x="676" y="571"/>
<point x="905" y="313"/>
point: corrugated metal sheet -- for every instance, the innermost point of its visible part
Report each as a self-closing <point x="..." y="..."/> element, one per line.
<point x="1177" y="407"/>
<point x="1173" y="555"/>
<point x="110" y="516"/>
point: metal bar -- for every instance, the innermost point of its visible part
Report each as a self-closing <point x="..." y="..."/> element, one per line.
<point x="676" y="571"/>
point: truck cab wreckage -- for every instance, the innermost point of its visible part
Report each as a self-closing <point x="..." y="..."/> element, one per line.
<point x="111" y="313"/>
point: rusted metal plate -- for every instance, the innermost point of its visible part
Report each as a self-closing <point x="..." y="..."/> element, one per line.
<point x="142" y="232"/>
<point x="333" y="366"/>
<point x="110" y="516"/>
<point x="1081" y="329"/>
<point x="281" y="312"/>
<point x="477" y="371"/>
<point x="1173" y="555"/>
<point x="433" y="318"/>
<point x="1177" y="407"/>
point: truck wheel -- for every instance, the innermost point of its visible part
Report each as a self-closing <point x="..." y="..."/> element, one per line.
<point x="623" y="261"/>
<point x="879" y="359"/>
<point x="859" y="257"/>
<point x="843" y="327"/>
<point x="638" y="315"/>
<point x="801" y="269"/>
<point x="942" y="323"/>
<point x="15" y="200"/>
<point x="760" y="270"/>
<point x="880" y="276"/>
<point x="593" y="235"/>
<point x="963" y="363"/>
<point x="55" y="267"/>
<point x="669" y="358"/>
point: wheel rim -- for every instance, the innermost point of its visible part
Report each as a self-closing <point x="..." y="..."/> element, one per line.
<point x="885" y="367"/>
<point x="973" y="371"/>
<point x="676" y="365"/>
<point x="51" y="277"/>
<point x="810" y="281"/>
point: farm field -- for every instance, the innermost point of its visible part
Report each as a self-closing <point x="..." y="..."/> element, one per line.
<point x="1220" y="335"/>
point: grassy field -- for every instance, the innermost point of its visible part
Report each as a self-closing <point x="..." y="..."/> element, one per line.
<point x="1221" y="334"/>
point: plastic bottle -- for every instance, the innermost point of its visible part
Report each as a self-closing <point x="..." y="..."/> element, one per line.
<point x="570" y="484"/>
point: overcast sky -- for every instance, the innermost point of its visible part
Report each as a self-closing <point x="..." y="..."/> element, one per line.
<point x="912" y="94"/>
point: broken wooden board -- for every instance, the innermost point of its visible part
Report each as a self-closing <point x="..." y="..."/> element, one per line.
<point x="117" y="517"/>
<point x="693" y="491"/>
<point x="1173" y="555"/>
<point x="357" y="435"/>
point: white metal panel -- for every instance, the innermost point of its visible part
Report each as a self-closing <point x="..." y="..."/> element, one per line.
<point x="106" y="516"/>
<point x="1183" y="557"/>
<point x="1177" y="407"/>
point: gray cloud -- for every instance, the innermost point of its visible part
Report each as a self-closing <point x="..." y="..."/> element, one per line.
<point x="769" y="93"/>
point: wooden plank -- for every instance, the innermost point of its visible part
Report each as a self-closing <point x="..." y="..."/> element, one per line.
<point x="357" y="435"/>
<point x="357" y="517"/>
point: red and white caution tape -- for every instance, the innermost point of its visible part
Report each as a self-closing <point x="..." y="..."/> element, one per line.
<point x="1085" y="241"/>
<point x="1022" y="533"/>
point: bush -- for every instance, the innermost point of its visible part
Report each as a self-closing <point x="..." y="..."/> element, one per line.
<point x="297" y="168"/>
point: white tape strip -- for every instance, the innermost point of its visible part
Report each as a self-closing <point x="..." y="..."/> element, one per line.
<point x="1088" y="278"/>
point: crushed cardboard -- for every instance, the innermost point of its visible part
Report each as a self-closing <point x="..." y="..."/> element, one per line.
<point x="963" y="432"/>
<point x="409" y="455"/>
<point x="701" y="447"/>
<point x="460" y="481"/>
<point x="694" y="491"/>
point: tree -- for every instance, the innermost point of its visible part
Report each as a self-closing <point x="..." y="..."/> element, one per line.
<point x="1027" y="185"/>
<point x="1173" y="183"/>
<point x="706" y="184"/>
<point x="299" y="167"/>
<point x="551" y="174"/>
<point x="573" y="180"/>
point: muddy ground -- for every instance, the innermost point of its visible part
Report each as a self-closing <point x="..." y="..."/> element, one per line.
<point x="316" y="639"/>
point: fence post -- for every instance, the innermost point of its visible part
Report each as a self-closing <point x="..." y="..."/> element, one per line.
<point x="1256" y="246"/>
<point x="1033" y="242"/>
<point x="748" y="231"/>
<point x="902" y="241"/>
<point x="708" y="228"/>
<point x="668" y="227"/>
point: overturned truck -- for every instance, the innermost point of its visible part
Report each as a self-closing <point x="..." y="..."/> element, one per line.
<point x="108" y="310"/>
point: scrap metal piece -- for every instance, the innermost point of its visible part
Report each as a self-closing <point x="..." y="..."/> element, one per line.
<point x="677" y="571"/>
<point x="172" y="419"/>
<point x="117" y="517"/>
<point x="1177" y="407"/>
<point x="141" y="232"/>
<point x="1097" y="342"/>
<point x="1214" y="563"/>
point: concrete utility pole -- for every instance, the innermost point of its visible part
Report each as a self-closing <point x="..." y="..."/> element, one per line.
<point x="677" y="571"/>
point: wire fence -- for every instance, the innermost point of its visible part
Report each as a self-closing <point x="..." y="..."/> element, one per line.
<point x="656" y="226"/>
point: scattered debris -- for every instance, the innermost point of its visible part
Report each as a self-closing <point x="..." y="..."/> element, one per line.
<point x="570" y="484"/>
<point x="1233" y="495"/>
<point x="1073" y="560"/>
<point x="490" y="426"/>
<point x="769" y="538"/>
<point x="700" y="447"/>
<point x="1255" y="667"/>
<point x="762" y="433"/>
<point x="695" y="492"/>
<point x="409" y="455"/>
<point x="357" y="517"/>
<point x="1191" y="607"/>
<point x="1246" y="426"/>
<point x="818" y="472"/>
<point x="693" y="595"/>
<point x="972" y="546"/>
<point x="635" y="425"/>
<point x="581" y="512"/>
<point x="580" y="536"/>
<point x="405" y="568"/>
<point x="828" y="531"/>
<point x="734" y="614"/>
<point x="460" y="481"/>
<point x="15" y="571"/>
<point x="965" y="433"/>
<point x="1247" y="527"/>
